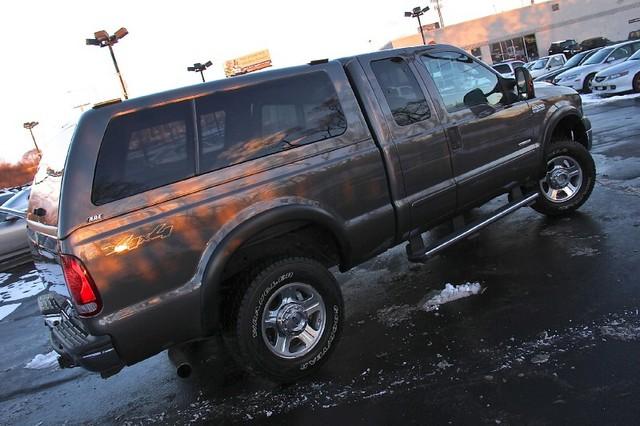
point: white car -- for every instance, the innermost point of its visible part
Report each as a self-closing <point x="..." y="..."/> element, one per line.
<point x="581" y="77"/>
<point x="506" y="69"/>
<point x="624" y="77"/>
<point x="547" y="64"/>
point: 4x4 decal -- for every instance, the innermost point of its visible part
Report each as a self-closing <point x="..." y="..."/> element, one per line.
<point x="132" y="242"/>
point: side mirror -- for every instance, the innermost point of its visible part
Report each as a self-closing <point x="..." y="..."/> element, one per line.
<point x="524" y="83"/>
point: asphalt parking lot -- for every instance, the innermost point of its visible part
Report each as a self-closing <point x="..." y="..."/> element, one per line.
<point x="552" y="337"/>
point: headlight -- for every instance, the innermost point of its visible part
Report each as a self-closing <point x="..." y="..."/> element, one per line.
<point x="617" y="75"/>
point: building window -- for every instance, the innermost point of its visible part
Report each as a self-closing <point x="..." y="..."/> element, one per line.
<point x="519" y="48"/>
<point x="555" y="7"/>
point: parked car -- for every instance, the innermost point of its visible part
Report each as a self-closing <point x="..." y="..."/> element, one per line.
<point x="577" y="59"/>
<point x="592" y="43"/>
<point x="624" y="77"/>
<point x="165" y="237"/>
<point x="580" y="77"/>
<point x="14" y="245"/>
<point x="634" y="35"/>
<point x="506" y="69"/>
<point x="568" y="47"/>
<point x="546" y="64"/>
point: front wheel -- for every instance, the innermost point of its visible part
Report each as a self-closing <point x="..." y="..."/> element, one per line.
<point x="569" y="179"/>
<point x="288" y="319"/>
<point x="636" y="83"/>
<point x="586" y="84"/>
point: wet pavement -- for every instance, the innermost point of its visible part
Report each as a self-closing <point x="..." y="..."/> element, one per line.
<point x="552" y="338"/>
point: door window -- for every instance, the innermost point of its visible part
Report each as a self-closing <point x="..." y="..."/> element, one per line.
<point x="401" y="91"/>
<point x="620" y="53"/>
<point x="461" y="81"/>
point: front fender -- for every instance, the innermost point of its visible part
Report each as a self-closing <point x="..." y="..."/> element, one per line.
<point x="247" y="224"/>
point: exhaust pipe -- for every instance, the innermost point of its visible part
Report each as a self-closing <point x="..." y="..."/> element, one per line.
<point x="180" y="357"/>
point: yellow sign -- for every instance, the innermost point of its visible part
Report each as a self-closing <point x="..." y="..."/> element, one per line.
<point x="248" y="63"/>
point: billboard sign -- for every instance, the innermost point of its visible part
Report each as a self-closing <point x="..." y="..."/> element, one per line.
<point x="248" y="63"/>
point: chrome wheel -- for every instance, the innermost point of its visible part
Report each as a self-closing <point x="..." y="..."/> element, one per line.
<point x="293" y="320"/>
<point x="563" y="179"/>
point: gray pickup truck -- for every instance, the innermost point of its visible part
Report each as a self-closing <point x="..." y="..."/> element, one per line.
<point x="218" y="209"/>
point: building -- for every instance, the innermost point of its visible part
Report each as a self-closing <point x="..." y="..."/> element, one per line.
<point x="526" y="33"/>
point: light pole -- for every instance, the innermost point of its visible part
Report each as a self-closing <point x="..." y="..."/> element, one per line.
<point x="417" y="12"/>
<point x="103" y="39"/>
<point x="198" y="67"/>
<point x="29" y="126"/>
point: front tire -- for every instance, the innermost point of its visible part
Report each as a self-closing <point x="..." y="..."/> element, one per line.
<point x="636" y="83"/>
<point x="586" y="85"/>
<point x="568" y="181"/>
<point x="288" y="320"/>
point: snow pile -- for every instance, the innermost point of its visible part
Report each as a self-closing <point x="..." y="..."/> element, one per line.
<point x="42" y="361"/>
<point x="451" y="293"/>
<point x="592" y="98"/>
<point x="6" y="310"/>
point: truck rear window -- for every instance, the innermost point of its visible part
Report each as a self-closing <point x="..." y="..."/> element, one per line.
<point x="145" y="150"/>
<point x="258" y="120"/>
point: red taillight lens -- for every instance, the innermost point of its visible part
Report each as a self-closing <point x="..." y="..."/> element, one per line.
<point x="81" y="286"/>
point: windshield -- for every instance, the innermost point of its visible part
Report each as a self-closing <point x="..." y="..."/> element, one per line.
<point x="598" y="57"/>
<point x="575" y="60"/>
<point x="540" y="64"/>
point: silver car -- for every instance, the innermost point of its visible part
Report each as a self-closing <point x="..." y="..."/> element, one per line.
<point x="14" y="246"/>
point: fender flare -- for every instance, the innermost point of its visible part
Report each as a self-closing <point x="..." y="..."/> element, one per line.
<point x="555" y="118"/>
<point x="224" y="250"/>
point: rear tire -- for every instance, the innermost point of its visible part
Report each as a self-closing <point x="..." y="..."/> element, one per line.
<point x="288" y="320"/>
<point x="586" y="85"/>
<point x="569" y="179"/>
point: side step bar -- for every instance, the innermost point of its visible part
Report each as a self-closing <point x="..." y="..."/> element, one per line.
<point x="416" y="251"/>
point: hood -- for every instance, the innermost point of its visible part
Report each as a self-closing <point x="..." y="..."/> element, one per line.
<point x="624" y="66"/>
<point x="548" y="90"/>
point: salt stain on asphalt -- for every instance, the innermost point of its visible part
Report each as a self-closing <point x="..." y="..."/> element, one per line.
<point x="544" y="352"/>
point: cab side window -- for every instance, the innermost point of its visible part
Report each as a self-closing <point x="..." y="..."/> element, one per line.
<point x="461" y="81"/>
<point x="401" y="91"/>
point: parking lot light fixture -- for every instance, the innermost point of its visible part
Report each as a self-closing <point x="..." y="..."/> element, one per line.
<point x="103" y="39"/>
<point x="29" y="126"/>
<point x="417" y="12"/>
<point x="198" y="67"/>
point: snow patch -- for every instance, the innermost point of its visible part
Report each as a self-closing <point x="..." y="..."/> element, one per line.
<point x="42" y="361"/>
<point x="23" y="288"/>
<point x="6" y="310"/>
<point x="592" y="99"/>
<point x="451" y="293"/>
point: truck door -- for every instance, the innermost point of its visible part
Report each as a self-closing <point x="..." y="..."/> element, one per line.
<point x="488" y="127"/>
<point x="417" y="136"/>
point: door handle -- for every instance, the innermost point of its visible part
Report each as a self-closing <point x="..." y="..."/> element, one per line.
<point x="455" y="138"/>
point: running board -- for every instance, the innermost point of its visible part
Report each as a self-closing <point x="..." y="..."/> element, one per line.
<point x="416" y="251"/>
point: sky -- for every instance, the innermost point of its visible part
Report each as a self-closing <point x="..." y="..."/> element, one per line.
<point x="47" y="69"/>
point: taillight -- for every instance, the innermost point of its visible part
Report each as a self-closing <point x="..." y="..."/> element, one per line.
<point x="81" y="286"/>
